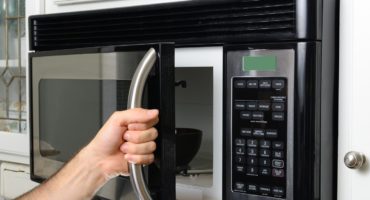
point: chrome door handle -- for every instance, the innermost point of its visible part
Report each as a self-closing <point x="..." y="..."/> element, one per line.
<point x="354" y="160"/>
<point x="134" y="101"/>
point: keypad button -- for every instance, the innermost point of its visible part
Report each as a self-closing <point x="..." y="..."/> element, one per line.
<point x="265" y="153"/>
<point x="278" y="191"/>
<point x="265" y="144"/>
<point x="246" y="132"/>
<point x="252" y="161"/>
<point x="239" y="142"/>
<point x="278" y="154"/>
<point x="257" y="115"/>
<point x="278" y="107"/>
<point x="252" y="171"/>
<point x="270" y="133"/>
<point x="265" y="190"/>
<point x="277" y="163"/>
<point x="265" y="84"/>
<point x="252" y="188"/>
<point x="252" y="84"/>
<point x="252" y="152"/>
<point x="278" y="173"/>
<point x="240" y="84"/>
<point x="239" y="105"/>
<point x="239" y="186"/>
<point x="278" y="84"/>
<point x="265" y="162"/>
<point x="278" y="116"/>
<point x="264" y="106"/>
<point x="258" y="133"/>
<point x="245" y="115"/>
<point x="252" y="143"/>
<point x="239" y="150"/>
<point x="251" y="105"/>
<point x="278" y="145"/>
<point x="240" y="159"/>
<point x="264" y="171"/>
<point x="240" y="168"/>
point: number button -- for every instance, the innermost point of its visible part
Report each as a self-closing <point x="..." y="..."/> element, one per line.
<point x="252" y="171"/>
<point x="252" y="152"/>
<point x="265" y="162"/>
<point x="252" y="161"/>
<point x="240" y="159"/>
<point x="265" y="144"/>
<point x="240" y="142"/>
<point x="265" y="153"/>
<point x="252" y="143"/>
<point x="240" y="150"/>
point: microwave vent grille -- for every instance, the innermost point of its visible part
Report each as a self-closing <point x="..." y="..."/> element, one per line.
<point x="183" y="23"/>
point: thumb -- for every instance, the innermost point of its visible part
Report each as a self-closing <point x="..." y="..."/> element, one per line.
<point x="136" y="115"/>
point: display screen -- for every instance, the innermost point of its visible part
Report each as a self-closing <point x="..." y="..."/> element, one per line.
<point x="259" y="63"/>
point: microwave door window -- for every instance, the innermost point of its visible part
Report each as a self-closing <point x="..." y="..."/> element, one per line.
<point x="72" y="111"/>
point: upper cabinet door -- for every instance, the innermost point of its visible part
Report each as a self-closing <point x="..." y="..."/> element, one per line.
<point x="354" y="96"/>
<point x="58" y="6"/>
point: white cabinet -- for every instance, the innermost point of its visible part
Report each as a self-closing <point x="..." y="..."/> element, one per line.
<point x="14" y="180"/>
<point x="354" y="96"/>
<point x="58" y="6"/>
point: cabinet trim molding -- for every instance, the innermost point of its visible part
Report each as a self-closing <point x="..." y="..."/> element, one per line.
<point x="70" y="2"/>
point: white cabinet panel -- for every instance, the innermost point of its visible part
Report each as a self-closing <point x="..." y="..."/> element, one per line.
<point x="354" y="95"/>
<point x="15" y="180"/>
<point x="58" y="6"/>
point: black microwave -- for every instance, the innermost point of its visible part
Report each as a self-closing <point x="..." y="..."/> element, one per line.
<point x="257" y="77"/>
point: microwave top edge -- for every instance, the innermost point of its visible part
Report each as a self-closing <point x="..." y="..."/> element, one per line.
<point x="186" y="24"/>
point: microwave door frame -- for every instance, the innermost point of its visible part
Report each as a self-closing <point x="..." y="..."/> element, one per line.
<point x="160" y="95"/>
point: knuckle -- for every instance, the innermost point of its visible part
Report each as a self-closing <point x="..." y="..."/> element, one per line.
<point x="153" y="146"/>
<point x="154" y="133"/>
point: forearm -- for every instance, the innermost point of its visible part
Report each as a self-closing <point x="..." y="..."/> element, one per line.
<point x="78" y="180"/>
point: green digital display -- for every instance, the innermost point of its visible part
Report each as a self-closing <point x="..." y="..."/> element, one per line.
<point x="259" y="63"/>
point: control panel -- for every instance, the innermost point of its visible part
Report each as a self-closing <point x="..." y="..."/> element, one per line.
<point x="259" y="135"/>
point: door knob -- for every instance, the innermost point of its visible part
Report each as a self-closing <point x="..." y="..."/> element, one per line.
<point x="354" y="160"/>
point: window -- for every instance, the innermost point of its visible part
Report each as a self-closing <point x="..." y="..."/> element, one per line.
<point x="12" y="66"/>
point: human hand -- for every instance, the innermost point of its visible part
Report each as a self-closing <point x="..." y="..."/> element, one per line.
<point x="127" y="136"/>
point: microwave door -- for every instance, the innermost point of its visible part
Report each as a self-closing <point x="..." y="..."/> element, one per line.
<point x="73" y="92"/>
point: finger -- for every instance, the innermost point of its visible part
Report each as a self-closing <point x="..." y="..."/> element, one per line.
<point x="142" y="126"/>
<point x="136" y="115"/>
<point x="138" y="149"/>
<point x="141" y="136"/>
<point x="140" y="159"/>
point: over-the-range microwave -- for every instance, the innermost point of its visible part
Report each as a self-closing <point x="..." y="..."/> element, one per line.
<point x="254" y="81"/>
